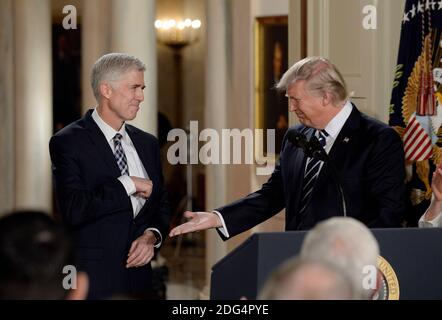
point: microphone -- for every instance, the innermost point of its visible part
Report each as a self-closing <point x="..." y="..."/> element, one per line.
<point x="316" y="150"/>
<point x="312" y="148"/>
<point x="298" y="139"/>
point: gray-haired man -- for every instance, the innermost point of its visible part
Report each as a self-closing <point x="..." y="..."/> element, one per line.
<point x="109" y="183"/>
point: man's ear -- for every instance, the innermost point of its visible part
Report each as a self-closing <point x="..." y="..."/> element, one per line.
<point x="82" y="288"/>
<point x="105" y="90"/>
<point x="326" y="99"/>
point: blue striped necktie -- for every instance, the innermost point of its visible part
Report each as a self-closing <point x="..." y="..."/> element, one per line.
<point x="312" y="170"/>
<point x="120" y="156"/>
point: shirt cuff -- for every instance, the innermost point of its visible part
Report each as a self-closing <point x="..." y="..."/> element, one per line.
<point x="156" y="233"/>
<point x="435" y="223"/>
<point x="128" y="184"/>
<point x="222" y="229"/>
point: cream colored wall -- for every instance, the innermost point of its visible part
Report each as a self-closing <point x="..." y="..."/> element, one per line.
<point x="262" y="8"/>
<point x="365" y="57"/>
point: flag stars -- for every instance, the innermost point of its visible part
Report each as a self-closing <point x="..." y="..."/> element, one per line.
<point x="420" y="7"/>
<point x="427" y="5"/>
<point x="430" y="5"/>
<point x="413" y="11"/>
<point x="405" y="18"/>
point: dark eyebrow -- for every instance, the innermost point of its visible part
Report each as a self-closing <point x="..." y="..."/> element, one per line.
<point x="138" y="86"/>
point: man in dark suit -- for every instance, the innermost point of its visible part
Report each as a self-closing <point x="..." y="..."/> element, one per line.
<point x="109" y="183"/>
<point x="365" y="155"/>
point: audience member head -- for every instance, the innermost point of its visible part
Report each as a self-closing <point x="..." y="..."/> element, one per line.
<point x="301" y="279"/>
<point x="34" y="249"/>
<point x="347" y="244"/>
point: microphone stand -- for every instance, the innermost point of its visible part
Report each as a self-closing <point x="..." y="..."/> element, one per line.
<point x="314" y="149"/>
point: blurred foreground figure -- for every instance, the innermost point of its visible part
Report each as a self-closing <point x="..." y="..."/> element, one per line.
<point x="34" y="250"/>
<point x="301" y="279"/>
<point x="349" y="245"/>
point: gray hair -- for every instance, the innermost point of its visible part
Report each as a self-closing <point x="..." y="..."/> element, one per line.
<point x="321" y="76"/>
<point x="303" y="279"/>
<point x="346" y="243"/>
<point x="111" y="67"/>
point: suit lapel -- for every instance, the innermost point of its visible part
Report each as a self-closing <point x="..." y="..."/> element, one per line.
<point x="99" y="140"/>
<point x="146" y="159"/>
<point x="142" y="150"/>
<point x="342" y="144"/>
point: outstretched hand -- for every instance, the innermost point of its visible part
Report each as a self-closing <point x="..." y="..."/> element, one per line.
<point x="198" y="221"/>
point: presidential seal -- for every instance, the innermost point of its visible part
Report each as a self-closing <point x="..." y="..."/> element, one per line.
<point x="389" y="287"/>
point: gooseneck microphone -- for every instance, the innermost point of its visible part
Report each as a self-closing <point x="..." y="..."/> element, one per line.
<point x="313" y="149"/>
<point x="297" y="139"/>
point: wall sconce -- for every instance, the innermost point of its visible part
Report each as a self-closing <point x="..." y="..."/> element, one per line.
<point x="177" y="34"/>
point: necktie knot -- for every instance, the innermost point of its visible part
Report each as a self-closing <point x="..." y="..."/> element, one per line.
<point x="118" y="137"/>
<point x="322" y="137"/>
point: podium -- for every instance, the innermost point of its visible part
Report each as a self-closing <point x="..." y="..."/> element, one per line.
<point x="414" y="254"/>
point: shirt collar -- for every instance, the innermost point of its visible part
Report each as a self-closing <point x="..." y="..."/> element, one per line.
<point x="335" y="125"/>
<point x="107" y="130"/>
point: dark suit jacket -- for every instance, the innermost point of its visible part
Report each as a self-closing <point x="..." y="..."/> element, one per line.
<point x="96" y="208"/>
<point x="369" y="160"/>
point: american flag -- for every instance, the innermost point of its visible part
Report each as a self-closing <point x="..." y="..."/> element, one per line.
<point x="417" y="142"/>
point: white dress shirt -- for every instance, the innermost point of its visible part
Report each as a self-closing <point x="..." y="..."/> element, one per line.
<point x="333" y="128"/>
<point x="136" y="168"/>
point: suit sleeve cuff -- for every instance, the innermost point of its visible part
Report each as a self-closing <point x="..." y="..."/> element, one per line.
<point x="222" y="229"/>
<point x="128" y="184"/>
<point x="158" y="235"/>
